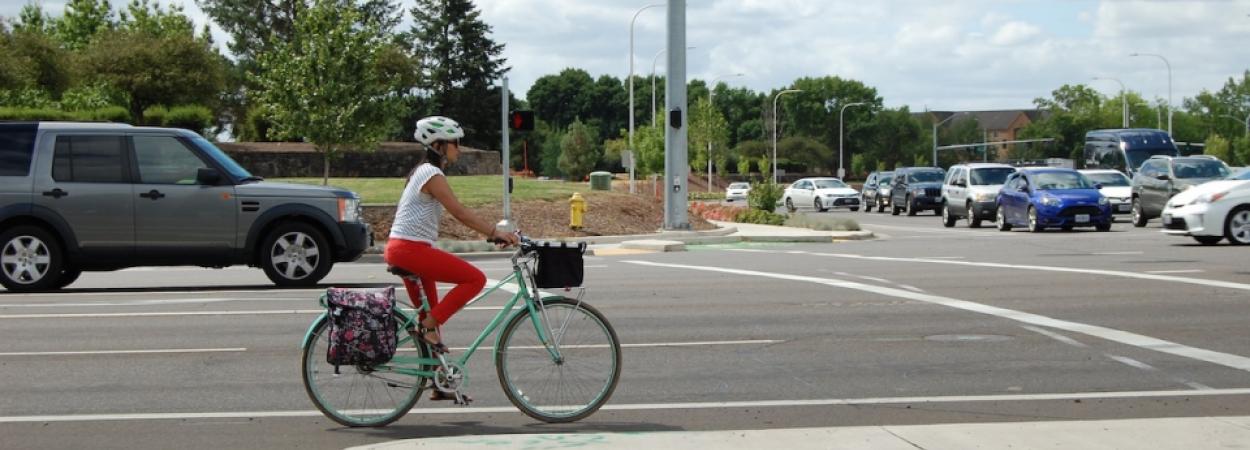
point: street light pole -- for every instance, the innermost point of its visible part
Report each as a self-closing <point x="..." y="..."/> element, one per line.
<point x="711" y="94"/>
<point x="1238" y="119"/>
<point x="1123" y="98"/>
<point x="775" y="98"/>
<point x="1165" y="62"/>
<point x="841" y="160"/>
<point x="631" y="92"/>
<point x="653" y="61"/>
<point x="935" y="129"/>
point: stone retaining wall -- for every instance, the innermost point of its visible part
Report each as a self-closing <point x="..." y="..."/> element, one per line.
<point x="391" y="159"/>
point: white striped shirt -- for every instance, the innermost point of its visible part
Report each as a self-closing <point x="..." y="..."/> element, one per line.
<point x="418" y="214"/>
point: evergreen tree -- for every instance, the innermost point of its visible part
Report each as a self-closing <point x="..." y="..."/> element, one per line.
<point x="460" y="63"/>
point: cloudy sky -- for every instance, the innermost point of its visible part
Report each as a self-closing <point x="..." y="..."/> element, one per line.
<point x="954" y="55"/>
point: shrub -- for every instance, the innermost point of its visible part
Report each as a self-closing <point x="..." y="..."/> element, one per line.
<point x="35" y="114"/>
<point x="822" y="223"/>
<point x="707" y="195"/>
<point x="195" y="118"/>
<point x="764" y="196"/>
<point x="711" y="211"/>
<point x="154" y="116"/>
<point x="108" y="114"/>
<point x="760" y="217"/>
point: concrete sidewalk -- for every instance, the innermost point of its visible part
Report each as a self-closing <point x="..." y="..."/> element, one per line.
<point x="727" y="233"/>
<point x="1187" y="433"/>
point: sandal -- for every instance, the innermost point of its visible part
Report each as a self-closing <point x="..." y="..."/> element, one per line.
<point x="440" y="396"/>
<point x="437" y="347"/>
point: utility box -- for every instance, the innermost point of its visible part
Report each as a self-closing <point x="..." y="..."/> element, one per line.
<point x="601" y="181"/>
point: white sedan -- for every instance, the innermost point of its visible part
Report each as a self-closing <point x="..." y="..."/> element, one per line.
<point x="1115" y="186"/>
<point x="820" y="194"/>
<point x="737" y="191"/>
<point x="1211" y="212"/>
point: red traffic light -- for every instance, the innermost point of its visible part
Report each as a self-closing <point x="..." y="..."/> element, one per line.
<point x="521" y="120"/>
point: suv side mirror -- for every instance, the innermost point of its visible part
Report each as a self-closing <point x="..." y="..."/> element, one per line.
<point x="207" y="177"/>
<point x="1098" y="186"/>
<point x="1163" y="176"/>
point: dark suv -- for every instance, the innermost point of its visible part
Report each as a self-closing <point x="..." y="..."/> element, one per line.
<point x="1161" y="177"/>
<point x="916" y="189"/>
<point x="80" y="197"/>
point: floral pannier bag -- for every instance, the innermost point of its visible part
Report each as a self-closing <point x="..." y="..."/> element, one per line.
<point x="362" y="326"/>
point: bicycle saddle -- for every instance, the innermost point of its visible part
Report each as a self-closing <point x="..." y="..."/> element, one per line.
<point x="399" y="271"/>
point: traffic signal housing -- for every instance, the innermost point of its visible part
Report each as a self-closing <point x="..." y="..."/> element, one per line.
<point x="521" y="120"/>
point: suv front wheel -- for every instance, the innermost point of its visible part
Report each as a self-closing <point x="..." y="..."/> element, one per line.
<point x="295" y="254"/>
<point x="30" y="259"/>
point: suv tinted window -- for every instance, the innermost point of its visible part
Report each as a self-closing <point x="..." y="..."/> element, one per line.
<point x="165" y="160"/>
<point x="17" y="143"/>
<point x="90" y="159"/>
<point x="991" y="175"/>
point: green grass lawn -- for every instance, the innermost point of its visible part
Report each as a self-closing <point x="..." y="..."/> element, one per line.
<point x="473" y="190"/>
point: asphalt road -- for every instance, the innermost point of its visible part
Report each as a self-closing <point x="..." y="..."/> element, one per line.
<point x="926" y="325"/>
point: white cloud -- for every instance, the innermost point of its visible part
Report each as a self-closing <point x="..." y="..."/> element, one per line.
<point x="1015" y="33"/>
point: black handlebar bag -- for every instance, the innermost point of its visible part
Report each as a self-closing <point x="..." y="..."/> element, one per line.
<point x="559" y="264"/>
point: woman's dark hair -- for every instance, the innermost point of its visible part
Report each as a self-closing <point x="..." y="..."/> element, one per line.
<point x="431" y="156"/>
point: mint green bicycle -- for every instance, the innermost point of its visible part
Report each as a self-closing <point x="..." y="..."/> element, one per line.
<point x="557" y="359"/>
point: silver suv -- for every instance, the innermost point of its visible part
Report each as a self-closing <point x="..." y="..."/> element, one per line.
<point x="80" y="197"/>
<point x="970" y="190"/>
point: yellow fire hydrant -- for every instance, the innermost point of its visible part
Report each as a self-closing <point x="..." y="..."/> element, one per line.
<point x="577" y="210"/>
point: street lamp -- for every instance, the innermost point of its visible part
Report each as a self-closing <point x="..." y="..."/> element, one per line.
<point x="711" y="94"/>
<point x="1123" y="98"/>
<point x="1238" y="119"/>
<point x="775" y="98"/>
<point x="653" y="62"/>
<point x="1165" y="62"/>
<point x="935" y="127"/>
<point x="841" y="166"/>
<point x="631" y="91"/>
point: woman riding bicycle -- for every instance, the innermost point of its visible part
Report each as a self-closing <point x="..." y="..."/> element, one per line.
<point x="415" y="229"/>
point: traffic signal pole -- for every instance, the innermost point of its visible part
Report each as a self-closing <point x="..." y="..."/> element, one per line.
<point x="676" y="166"/>
<point x="505" y="224"/>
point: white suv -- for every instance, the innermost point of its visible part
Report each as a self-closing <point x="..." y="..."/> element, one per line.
<point x="970" y="190"/>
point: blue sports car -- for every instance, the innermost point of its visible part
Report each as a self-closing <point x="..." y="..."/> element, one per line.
<point x="1050" y="197"/>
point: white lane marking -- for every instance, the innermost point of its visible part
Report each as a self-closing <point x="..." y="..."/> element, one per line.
<point x="1131" y="362"/>
<point x="910" y="288"/>
<point x="1116" y="253"/>
<point x="879" y="280"/>
<point x="932" y="231"/>
<point x="149" y="302"/>
<point x="1123" y="337"/>
<point x="650" y="406"/>
<point x="196" y="313"/>
<point x="941" y="257"/>
<point x="596" y="266"/>
<point x="127" y="352"/>
<point x="1054" y="335"/>
<point x="167" y="291"/>
<point x="649" y="345"/>
<point x="1113" y="273"/>
<point x="1176" y="271"/>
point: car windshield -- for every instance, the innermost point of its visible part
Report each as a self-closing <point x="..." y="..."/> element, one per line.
<point x="235" y="170"/>
<point x="885" y="179"/>
<point x="739" y="186"/>
<point x="1199" y="168"/>
<point x="1050" y="181"/>
<point x="991" y="176"/>
<point x="1107" y="179"/>
<point x="927" y="176"/>
<point x="828" y="184"/>
<point x="1137" y="156"/>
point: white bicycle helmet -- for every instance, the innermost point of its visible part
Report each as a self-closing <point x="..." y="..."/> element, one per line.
<point x="437" y="128"/>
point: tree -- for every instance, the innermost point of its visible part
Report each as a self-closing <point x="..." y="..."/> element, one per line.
<point x="707" y="126"/>
<point x="1219" y="147"/>
<point x="460" y="63"/>
<point x="32" y="19"/>
<point x="256" y="26"/>
<point x="82" y="21"/>
<point x="579" y="151"/>
<point x="804" y="154"/>
<point x="32" y="60"/>
<point x="324" y="85"/>
<point x="142" y="16"/>
<point x="815" y="112"/>
<point x="563" y="98"/>
<point x="894" y="137"/>
<point x="1241" y="150"/>
<point x="171" y="69"/>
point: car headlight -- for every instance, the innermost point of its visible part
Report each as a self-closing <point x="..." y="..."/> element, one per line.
<point x="985" y="196"/>
<point x="1209" y="198"/>
<point x="349" y="209"/>
<point x="919" y="192"/>
<point x="1104" y="201"/>
<point x="1051" y="201"/>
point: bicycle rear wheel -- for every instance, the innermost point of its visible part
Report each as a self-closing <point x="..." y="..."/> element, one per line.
<point x="359" y="395"/>
<point x="569" y="388"/>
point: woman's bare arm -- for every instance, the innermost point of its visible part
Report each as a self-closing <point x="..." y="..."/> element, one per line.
<point x="438" y="188"/>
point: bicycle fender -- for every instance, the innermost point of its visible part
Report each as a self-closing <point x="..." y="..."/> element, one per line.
<point x="308" y="334"/>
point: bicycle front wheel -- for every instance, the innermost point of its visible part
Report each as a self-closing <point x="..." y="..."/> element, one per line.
<point x="567" y="387"/>
<point x="361" y="395"/>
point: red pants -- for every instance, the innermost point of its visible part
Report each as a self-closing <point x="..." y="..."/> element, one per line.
<point x="434" y="265"/>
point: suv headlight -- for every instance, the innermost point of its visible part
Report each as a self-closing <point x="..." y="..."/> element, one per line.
<point x="1050" y="201"/>
<point x="919" y="192"/>
<point x="349" y="209"/>
<point x="986" y="197"/>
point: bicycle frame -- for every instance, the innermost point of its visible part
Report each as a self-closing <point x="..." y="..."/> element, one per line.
<point x="411" y="365"/>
